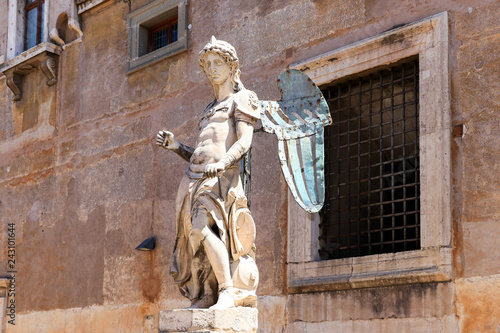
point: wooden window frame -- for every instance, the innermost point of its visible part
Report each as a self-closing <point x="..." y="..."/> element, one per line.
<point x="168" y="23"/>
<point x="39" y="21"/>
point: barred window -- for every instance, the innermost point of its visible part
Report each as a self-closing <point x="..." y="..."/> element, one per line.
<point x="156" y="31"/>
<point x="163" y="34"/>
<point x="372" y="164"/>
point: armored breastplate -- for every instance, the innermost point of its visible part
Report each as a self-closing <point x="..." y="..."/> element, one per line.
<point x="215" y="108"/>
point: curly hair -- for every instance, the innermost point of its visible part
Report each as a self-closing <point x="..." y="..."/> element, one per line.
<point x="226" y="51"/>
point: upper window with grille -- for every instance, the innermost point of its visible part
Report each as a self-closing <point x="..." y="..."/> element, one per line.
<point x="156" y="31"/>
<point x="162" y="34"/>
<point x="372" y="164"/>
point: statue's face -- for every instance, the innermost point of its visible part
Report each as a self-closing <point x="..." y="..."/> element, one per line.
<point x="216" y="69"/>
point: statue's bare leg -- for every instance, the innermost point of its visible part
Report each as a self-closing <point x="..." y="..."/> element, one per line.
<point x="218" y="256"/>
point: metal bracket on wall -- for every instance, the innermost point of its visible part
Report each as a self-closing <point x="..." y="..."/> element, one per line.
<point x="459" y="131"/>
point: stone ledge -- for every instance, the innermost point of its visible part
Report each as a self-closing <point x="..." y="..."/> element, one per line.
<point x="43" y="56"/>
<point x="240" y="319"/>
<point x="84" y="5"/>
<point x="45" y="47"/>
<point x="419" y="266"/>
<point x="447" y="324"/>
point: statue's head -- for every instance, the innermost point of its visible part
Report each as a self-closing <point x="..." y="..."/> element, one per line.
<point x="228" y="53"/>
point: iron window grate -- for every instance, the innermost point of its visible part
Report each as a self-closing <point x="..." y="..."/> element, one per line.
<point x="165" y="36"/>
<point x="372" y="199"/>
<point x="161" y="38"/>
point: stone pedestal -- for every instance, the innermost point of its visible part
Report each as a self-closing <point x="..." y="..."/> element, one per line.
<point x="234" y="320"/>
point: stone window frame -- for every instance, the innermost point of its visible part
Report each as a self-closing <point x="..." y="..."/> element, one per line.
<point x="427" y="38"/>
<point x="17" y="26"/>
<point x="135" y="37"/>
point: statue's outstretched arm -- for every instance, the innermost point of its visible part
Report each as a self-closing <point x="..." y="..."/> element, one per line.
<point x="166" y="139"/>
<point x="244" y="131"/>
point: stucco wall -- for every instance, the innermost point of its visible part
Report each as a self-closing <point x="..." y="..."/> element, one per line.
<point x="87" y="187"/>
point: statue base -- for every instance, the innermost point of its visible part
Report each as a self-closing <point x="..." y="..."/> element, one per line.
<point x="232" y="320"/>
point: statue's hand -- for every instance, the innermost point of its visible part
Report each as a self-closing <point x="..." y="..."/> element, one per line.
<point x="166" y="139"/>
<point x="214" y="169"/>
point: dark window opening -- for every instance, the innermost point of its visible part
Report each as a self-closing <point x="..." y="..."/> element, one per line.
<point x="372" y="199"/>
<point x="158" y="32"/>
<point x="33" y="32"/>
<point x="162" y="34"/>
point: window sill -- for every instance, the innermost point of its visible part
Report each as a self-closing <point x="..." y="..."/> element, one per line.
<point x="43" y="56"/>
<point x="157" y="55"/>
<point x="419" y="266"/>
<point x="84" y="5"/>
<point x="28" y="55"/>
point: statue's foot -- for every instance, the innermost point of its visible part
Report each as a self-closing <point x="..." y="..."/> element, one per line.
<point x="203" y="303"/>
<point x="226" y="299"/>
<point x="247" y="300"/>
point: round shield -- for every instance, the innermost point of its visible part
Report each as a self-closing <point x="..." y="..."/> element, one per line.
<point x="245" y="230"/>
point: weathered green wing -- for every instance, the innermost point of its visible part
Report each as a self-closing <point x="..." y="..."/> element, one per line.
<point x="298" y="121"/>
